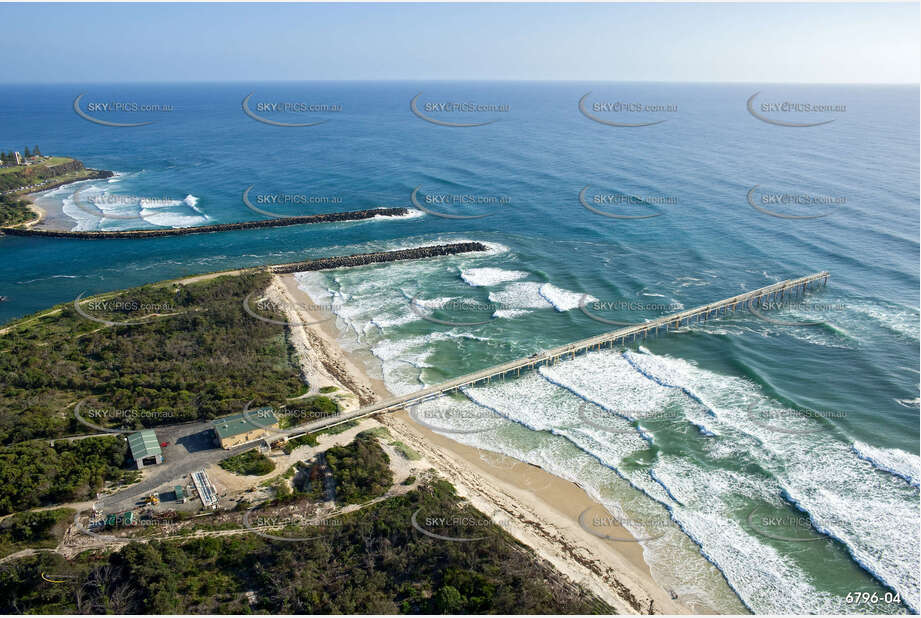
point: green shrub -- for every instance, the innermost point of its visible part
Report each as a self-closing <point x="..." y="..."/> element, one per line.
<point x="38" y="474"/>
<point x="250" y="463"/>
<point x="373" y="562"/>
<point x="204" y="362"/>
<point x="406" y="451"/>
<point x="361" y="470"/>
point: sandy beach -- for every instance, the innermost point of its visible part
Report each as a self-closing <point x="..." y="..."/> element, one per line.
<point x="50" y="213"/>
<point x="536" y="507"/>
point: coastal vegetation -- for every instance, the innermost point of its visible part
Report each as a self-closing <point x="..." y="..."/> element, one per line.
<point x="405" y="450"/>
<point x="14" y="210"/>
<point x="36" y="473"/>
<point x="360" y="470"/>
<point x="306" y="410"/>
<point x="311" y="438"/>
<point x="34" y="530"/>
<point x="373" y="561"/>
<point x="45" y="173"/>
<point x="191" y="353"/>
<point x="249" y="463"/>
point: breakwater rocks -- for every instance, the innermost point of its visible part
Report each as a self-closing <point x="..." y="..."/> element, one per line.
<point x="332" y="217"/>
<point x="361" y="259"/>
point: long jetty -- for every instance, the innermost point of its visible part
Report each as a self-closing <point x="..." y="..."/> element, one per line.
<point x="791" y="288"/>
<point x="332" y="217"/>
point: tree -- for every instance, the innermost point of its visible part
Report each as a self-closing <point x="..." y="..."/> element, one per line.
<point x="27" y="155"/>
<point x="37" y="152"/>
<point x="448" y="600"/>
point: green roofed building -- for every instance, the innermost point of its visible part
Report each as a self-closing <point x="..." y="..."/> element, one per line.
<point x="145" y="449"/>
<point x="244" y="427"/>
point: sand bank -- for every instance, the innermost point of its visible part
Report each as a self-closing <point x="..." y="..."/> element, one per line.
<point x="537" y="508"/>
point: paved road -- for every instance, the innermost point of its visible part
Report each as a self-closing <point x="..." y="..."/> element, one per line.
<point x="191" y="447"/>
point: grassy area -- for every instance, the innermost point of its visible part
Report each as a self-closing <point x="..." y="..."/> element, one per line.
<point x="328" y="389"/>
<point x="377" y="432"/>
<point x="250" y="463"/>
<point x="307" y="410"/>
<point x="34" y="529"/>
<point x="50" y="162"/>
<point x="373" y="561"/>
<point x="406" y="451"/>
<point x="311" y="438"/>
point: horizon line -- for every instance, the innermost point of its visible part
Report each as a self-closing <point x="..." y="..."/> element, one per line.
<point x="441" y="79"/>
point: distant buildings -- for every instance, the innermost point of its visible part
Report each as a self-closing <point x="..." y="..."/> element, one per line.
<point x="145" y="450"/>
<point x="12" y="158"/>
<point x="236" y="429"/>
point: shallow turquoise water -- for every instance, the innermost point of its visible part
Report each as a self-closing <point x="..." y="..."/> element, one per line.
<point x="705" y="451"/>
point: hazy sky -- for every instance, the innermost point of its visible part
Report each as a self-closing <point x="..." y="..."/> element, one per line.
<point x="616" y="42"/>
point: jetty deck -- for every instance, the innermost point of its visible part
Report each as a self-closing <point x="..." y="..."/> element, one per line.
<point x="781" y="291"/>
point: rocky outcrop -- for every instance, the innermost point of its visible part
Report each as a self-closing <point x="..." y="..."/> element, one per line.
<point x="361" y="259"/>
<point x="332" y="217"/>
<point x="64" y="168"/>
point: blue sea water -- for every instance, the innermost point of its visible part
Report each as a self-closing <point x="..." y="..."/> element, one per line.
<point x="714" y="460"/>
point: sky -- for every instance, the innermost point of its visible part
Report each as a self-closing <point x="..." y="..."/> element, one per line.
<point x="765" y="43"/>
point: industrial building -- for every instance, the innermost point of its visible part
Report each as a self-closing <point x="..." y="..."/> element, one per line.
<point x="145" y="449"/>
<point x="236" y="429"/>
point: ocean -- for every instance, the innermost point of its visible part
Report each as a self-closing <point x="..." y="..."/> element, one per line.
<point x="766" y="460"/>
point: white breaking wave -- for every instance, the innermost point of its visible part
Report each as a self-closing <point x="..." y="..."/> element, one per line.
<point x="510" y="313"/>
<point x="845" y="497"/>
<point x="172" y="213"/>
<point x="411" y="213"/>
<point x="491" y="276"/>
<point x="892" y="460"/>
<point x="823" y="477"/>
<point x="702" y="501"/>
<point x="540" y="406"/>
<point x="563" y="300"/>
<point x="520" y="295"/>
<point x="902" y="320"/>
<point x="531" y="295"/>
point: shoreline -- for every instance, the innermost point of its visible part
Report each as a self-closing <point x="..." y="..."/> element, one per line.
<point x="52" y="222"/>
<point x="534" y="506"/>
<point x="333" y="217"/>
<point x="51" y="217"/>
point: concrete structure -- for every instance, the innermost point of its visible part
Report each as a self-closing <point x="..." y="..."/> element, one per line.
<point x="777" y="292"/>
<point x="205" y="489"/>
<point x="145" y="449"/>
<point x="237" y="429"/>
